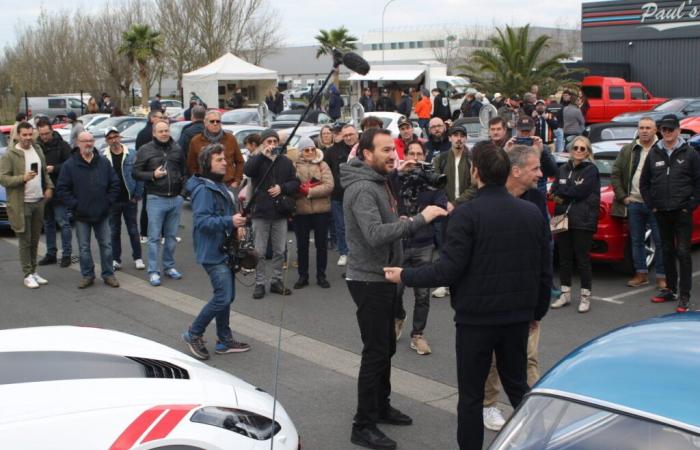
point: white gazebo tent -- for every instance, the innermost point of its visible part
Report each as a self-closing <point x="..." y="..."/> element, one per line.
<point x="216" y="82"/>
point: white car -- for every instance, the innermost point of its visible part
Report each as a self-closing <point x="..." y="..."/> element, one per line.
<point x="391" y="122"/>
<point x="88" y="388"/>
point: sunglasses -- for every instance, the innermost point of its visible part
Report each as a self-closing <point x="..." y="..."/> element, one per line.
<point x="214" y="121"/>
<point x="576" y="148"/>
<point x="667" y="130"/>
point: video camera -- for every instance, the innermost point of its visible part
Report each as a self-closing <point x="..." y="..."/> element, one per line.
<point x="419" y="179"/>
<point x="241" y="253"/>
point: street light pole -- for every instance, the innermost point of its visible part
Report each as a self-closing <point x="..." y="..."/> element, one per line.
<point x="384" y="11"/>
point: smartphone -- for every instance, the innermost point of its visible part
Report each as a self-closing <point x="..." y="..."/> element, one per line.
<point x="524" y="141"/>
<point x="34" y="167"/>
<point x="277" y="150"/>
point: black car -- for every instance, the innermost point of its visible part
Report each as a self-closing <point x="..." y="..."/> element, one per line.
<point x="680" y="107"/>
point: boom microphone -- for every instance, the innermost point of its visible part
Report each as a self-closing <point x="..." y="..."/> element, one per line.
<point x="351" y="60"/>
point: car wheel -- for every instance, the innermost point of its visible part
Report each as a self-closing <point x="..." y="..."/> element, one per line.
<point x="649" y="248"/>
<point x="627" y="264"/>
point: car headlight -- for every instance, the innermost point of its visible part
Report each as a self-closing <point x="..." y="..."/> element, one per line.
<point x="242" y="422"/>
<point x="3" y="205"/>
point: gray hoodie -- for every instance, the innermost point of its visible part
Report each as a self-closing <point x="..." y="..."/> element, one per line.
<point x="372" y="227"/>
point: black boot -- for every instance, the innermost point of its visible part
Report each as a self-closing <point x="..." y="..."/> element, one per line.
<point x="322" y="282"/>
<point x="302" y="282"/>
<point x="371" y="437"/>
<point x="65" y="261"/>
<point x="276" y="287"/>
<point x="46" y="260"/>
<point x="259" y="291"/>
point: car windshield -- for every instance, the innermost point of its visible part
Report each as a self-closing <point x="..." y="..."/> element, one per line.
<point x="120" y="123"/>
<point x="3" y="140"/>
<point x="547" y="423"/>
<point x="133" y="131"/>
<point x="671" y="106"/>
<point x="239" y="116"/>
<point x="96" y="121"/>
<point x="618" y="133"/>
<point x="604" y="162"/>
<point x="288" y="117"/>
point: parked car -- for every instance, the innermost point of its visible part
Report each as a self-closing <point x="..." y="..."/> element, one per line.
<point x="90" y="120"/>
<point x="633" y="388"/>
<point x="241" y="131"/>
<point x="680" y="107"/>
<point x="51" y="107"/>
<point x="121" y="123"/>
<point x="609" y="96"/>
<point x="314" y="116"/>
<point x="91" y="388"/>
<point x="301" y="92"/>
<point x="690" y="126"/>
<point x="391" y="122"/>
<point x="310" y="131"/>
<point x="243" y="116"/>
<point x="172" y="107"/>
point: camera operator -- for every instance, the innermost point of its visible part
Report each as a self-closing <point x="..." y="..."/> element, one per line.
<point x="525" y="136"/>
<point x="546" y="123"/>
<point x="213" y="208"/>
<point x="417" y="250"/>
<point x="374" y="232"/>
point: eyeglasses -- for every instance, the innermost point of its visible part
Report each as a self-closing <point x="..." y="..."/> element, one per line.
<point x="214" y="121"/>
<point x="576" y="148"/>
<point x="667" y="130"/>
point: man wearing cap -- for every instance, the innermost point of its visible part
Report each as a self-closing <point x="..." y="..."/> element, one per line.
<point x="126" y="204"/>
<point x="546" y="123"/>
<point x="269" y="221"/>
<point x="214" y="134"/>
<point x="455" y="164"/>
<point x="385" y="102"/>
<point x="510" y="112"/>
<point x="406" y="135"/>
<point x="76" y="128"/>
<point x="670" y="186"/>
<point x="89" y="186"/>
<point x="525" y="128"/>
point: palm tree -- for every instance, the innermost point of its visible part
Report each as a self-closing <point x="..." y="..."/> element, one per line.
<point x="514" y="64"/>
<point x="141" y="44"/>
<point x="339" y="38"/>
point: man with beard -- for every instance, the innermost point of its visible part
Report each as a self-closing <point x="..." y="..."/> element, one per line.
<point x="374" y="233"/>
<point x="455" y="164"/>
<point x="214" y="134"/>
<point x="56" y="151"/>
<point x="438" y="141"/>
<point x="89" y="186"/>
<point x="161" y="165"/>
<point x="334" y="157"/>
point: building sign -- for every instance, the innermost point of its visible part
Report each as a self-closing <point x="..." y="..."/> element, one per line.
<point x="632" y="19"/>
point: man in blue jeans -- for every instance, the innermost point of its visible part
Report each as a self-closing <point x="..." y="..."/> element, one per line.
<point x="629" y="203"/>
<point x="89" y="186"/>
<point x="161" y="165"/>
<point x="213" y="210"/>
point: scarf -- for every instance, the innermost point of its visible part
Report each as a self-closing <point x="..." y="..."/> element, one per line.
<point x="213" y="138"/>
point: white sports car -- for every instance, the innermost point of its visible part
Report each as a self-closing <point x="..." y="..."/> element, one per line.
<point x="88" y="388"/>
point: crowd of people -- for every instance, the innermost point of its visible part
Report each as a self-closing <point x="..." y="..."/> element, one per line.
<point x="481" y="235"/>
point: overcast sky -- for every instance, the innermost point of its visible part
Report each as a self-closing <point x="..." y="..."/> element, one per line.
<point x="303" y="18"/>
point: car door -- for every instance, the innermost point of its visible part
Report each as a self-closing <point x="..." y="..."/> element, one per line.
<point x="639" y="99"/>
<point x="616" y="100"/>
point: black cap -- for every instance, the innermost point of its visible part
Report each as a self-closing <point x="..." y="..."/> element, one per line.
<point x="669" y="121"/>
<point x="270" y="132"/>
<point x="457" y="129"/>
<point x="525" y="123"/>
<point x="515" y="97"/>
<point x="404" y="121"/>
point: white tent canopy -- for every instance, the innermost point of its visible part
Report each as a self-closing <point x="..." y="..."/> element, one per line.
<point x="216" y="80"/>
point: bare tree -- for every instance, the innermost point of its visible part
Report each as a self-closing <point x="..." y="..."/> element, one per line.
<point x="263" y="37"/>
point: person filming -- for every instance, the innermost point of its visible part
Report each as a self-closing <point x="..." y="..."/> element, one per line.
<point x="374" y="232"/>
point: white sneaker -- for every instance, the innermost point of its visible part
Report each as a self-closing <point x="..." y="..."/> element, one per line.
<point x="178" y="239"/>
<point x="39" y="279"/>
<point x="493" y="419"/>
<point x="139" y="264"/>
<point x="144" y="240"/>
<point x="343" y="260"/>
<point x="30" y="282"/>
<point x="116" y="265"/>
<point x="441" y="292"/>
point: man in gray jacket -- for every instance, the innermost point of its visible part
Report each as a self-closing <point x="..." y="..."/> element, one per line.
<point x="374" y="231"/>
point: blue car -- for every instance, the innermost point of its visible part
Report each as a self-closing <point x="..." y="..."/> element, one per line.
<point x="635" y="388"/>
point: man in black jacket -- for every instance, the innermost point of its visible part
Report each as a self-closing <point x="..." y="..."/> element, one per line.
<point x="161" y="165"/>
<point x="438" y="141"/>
<point x="269" y="218"/>
<point x="497" y="263"/>
<point x="88" y="186"/>
<point x="670" y="186"/>
<point x="56" y="151"/>
<point x="405" y="104"/>
<point x="144" y="137"/>
<point x="385" y="102"/>
<point x="192" y="130"/>
<point x="366" y="100"/>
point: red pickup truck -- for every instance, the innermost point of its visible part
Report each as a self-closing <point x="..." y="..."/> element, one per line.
<point x="607" y="97"/>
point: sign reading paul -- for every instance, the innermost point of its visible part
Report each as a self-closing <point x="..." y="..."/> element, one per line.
<point x="630" y="19"/>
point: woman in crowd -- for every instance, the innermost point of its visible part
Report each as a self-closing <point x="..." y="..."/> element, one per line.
<point x="92" y="107"/>
<point x="313" y="211"/>
<point x="325" y="138"/>
<point x="576" y="193"/>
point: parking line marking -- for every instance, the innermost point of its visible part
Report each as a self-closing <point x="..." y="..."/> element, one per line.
<point x="632" y="292"/>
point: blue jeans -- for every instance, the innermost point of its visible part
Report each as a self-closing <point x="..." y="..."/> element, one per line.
<point x="219" y="306"/>
<point x="128" y="210"/>
<point x="339" y="221"/>
<point x="639" y="216"/>
<point x="84" y="232"/>
<point x="163" y="214"/>
<point x="56" y="214"/>
<point x="559" y="140"/>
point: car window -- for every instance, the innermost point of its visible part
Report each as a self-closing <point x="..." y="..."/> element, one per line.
<point x="547" y="423"/>
<point x="693" y="107"/>
<point x="637" y="93"/>
<point x="239" y="116"/>
<point x="616" y="93"/>
<point x="323" y="118"/>
<point x="75" y="103"/>
<point x="287" y="117"/>
<point x="592" y="92"/>
<point x="386" y="121"/>
<point x="670" y="106"/>
<point x="133" y="131"/>
<point x="241" y="135"/>
<point x="618" y="133"/>
<point x="57" y="103"/>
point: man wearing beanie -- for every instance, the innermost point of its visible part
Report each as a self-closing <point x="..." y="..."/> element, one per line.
<point x="269" y="213"/>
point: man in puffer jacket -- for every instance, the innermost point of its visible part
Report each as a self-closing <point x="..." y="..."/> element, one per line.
<point x="313" y="211"/>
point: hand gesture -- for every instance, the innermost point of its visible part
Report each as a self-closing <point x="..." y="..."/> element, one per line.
<point x="160" y="172"/>
<point x="432" y="212"/>
<point x="274" y="191"/>
<point x="393" y="274"/>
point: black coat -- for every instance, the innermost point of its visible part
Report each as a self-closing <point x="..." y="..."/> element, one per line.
<point x="435" y="147"/>
<point x="156" y="154"/>
<point x="88" y="189"/>
<point x="283" y="173"/>
<point x="189" y="132"/>
<point x="405" y="106"/>
<point x="671" y="183"/>
<point x="496" y="260"/>
<point x="578" y="188"/>
<point x="334" y="157"/>
<point x="145" y="136"/>
<point x="441" y="107"/>
<point x="385" y="103"/>
<point x="56" y="151"/>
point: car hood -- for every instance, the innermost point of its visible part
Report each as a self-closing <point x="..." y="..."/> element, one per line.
<point x="635" y="116"/>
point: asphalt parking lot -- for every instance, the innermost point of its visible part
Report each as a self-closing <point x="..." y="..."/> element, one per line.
<point x="320" y="338"/>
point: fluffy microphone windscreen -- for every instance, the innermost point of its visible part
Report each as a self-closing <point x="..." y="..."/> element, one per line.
<point x="356" y="63"/>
